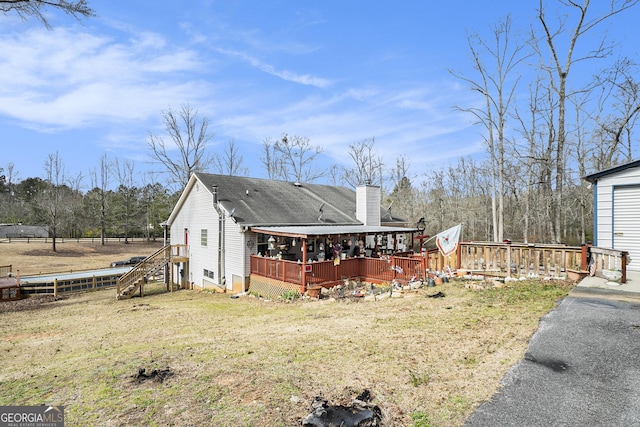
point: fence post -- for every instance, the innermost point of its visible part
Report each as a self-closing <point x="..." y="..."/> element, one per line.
<point x="93" y="282"/>
<point x="583" y="265"/>
<point x="425" y="265"/>
<point x="55" y="288"/>
<point x="508" y="246"/>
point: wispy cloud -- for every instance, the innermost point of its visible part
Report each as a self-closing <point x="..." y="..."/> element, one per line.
<point x="305" y="79"/>
<point x="69" y="78"/>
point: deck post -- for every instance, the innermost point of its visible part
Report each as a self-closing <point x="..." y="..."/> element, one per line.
<point x="508" y="245"/>
<point x="304" y="264"/>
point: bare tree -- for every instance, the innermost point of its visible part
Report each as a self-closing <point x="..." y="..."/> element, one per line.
<point x="367" y="165"/>
<point x="498" y="90"/>
<point x="401" y="202"/>
<point x="185" y="150"/>
<point x="297" y="156"/>
<point x="583" y="196"/>
<point x="128" y="195"/>
<point x="38" y="8"/>
<point x="530" y="158"/>
<point x="53" y="204"/>
<point x="100" y="180"/>
<point x="561" y="69"/>
<point x="620" y="92"/>
<point x="229" y="162"/>
<point x="271" y="160"/>
<point x="291" y="158"/>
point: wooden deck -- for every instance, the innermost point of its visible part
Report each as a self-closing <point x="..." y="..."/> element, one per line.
<point x="483" y="258"/>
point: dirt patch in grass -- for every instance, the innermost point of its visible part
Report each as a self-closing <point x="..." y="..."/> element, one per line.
<point x="247" y="361"/>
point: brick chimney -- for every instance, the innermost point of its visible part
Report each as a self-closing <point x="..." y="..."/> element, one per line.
<point x="368" y="204"/>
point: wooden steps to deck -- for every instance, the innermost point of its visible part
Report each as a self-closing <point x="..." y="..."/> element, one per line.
<point x="129" y="283"/>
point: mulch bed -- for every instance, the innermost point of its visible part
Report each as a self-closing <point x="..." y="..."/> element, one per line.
<point x="30" y="303"/>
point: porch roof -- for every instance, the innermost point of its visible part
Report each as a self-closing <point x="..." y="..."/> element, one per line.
<point x="304" y="231"/>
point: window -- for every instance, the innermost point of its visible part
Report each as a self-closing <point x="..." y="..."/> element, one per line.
<point x="208" y="274"/>
<point x="203" y="237"/>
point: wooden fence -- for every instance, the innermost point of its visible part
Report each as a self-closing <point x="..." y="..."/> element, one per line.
<point x="529" y="260"/>
<point x="75" y="284"/>
<point x="520" y="259"/>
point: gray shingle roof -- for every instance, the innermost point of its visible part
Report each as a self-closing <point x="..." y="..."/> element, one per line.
<point x="263" y="202"/>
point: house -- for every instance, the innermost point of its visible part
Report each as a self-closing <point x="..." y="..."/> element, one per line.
<point x="616" y="210"/>
<point x="241" y="232"/>
<point x="22" y="231"/>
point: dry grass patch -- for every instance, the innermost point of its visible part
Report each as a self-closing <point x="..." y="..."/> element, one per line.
<point x="249" y="362"/>
<point x="38" y="257"/>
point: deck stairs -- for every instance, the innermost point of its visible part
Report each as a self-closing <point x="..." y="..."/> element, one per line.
<point x="134" y="280"/>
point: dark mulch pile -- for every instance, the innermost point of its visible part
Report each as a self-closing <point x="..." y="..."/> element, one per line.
<point x="359" y="413"/>
<point x="157" y="375"/>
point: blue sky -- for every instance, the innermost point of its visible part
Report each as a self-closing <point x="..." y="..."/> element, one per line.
<point x="336" y="72"/>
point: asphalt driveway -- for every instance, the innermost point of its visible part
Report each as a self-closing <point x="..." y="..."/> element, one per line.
<point x="582" y="368"/>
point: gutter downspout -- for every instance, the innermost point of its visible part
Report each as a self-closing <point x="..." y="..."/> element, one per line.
<point x="221" y="274"/>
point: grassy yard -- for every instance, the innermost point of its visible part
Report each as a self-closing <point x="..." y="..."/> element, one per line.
<point x="250" y="362"/>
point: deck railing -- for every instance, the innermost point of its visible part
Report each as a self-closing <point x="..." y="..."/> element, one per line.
<point x="6" y="270"/>
<point x="521" y="259"/>
<point x="609" y="259"/>
<point x="328" y="273"/>
<point x="484" y="258"/>
<point x="9" y="285"/>
<point x="179" y="251"/>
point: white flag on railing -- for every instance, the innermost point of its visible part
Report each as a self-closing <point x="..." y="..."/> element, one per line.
<point x="447" y="241"/>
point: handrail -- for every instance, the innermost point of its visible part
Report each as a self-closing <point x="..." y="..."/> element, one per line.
<point x="141" y="270"/>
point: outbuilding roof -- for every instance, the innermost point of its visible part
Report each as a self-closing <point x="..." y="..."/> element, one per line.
<point x="613" y="170"/>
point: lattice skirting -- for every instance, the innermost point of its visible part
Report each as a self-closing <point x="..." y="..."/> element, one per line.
<point x="271" y="288"/>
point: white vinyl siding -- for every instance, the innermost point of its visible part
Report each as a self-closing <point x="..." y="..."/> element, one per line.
<point x="617" y="213"/>
<point x="236" y="252"/>
<point x="626" y="223"/>
<point x="197" y="213"/>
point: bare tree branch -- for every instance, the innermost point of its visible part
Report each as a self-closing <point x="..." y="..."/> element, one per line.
<point x="185" y="151"/>
<point x="38" y="8"/>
